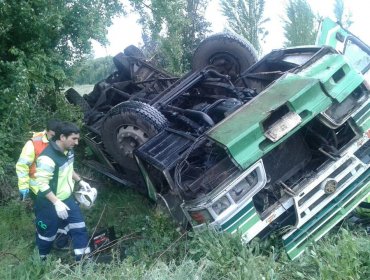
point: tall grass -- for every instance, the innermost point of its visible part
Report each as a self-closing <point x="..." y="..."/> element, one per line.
<point x="154" y="249"/>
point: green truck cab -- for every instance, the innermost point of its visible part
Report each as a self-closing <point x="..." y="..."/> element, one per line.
<point x="242" y="145"/>
<point x="273" y="141"/>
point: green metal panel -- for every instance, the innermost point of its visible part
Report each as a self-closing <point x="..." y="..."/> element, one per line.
<point x="242" y="132"/>
<point x="248" y="225"/>
<point x="328" y="34"/>
<point x="362" y="118"/>
<point x="238" y="215"/>
<point x="332" y="34"/>
<point x="235" y="223"/>
<point x="337" y="77"/>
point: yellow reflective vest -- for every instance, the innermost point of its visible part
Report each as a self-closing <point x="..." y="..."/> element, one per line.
<point x="54" y="172"/>
<point x="26" y="164"/>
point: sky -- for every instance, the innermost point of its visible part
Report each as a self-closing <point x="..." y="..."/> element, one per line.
<point x="126" y="31"/>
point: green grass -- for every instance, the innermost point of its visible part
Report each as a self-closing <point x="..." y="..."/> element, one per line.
<point x="154" y="249"/>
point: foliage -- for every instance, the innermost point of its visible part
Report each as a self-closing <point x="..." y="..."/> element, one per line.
<point x="245" y="17"/>
<point x="94" y="70"/>
<point x="171" y="30"/>
<point x="299" y="27"/>
<point x="155" y="250"/>
<point x="61" y="30"/>
<point x="344" y="18"/>
<point x="143" y="228"/>
<point x="39" y="43"/>
<point x="344" y="255"/>
<point x="229" y="259"/>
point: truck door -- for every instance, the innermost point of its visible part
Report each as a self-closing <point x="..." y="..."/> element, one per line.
<point x="355" y="50"/>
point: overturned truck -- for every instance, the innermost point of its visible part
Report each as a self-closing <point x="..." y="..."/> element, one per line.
<point x="238" y="144"/>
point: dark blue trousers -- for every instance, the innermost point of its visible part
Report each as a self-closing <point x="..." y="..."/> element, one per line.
<point x="48" y="222"/>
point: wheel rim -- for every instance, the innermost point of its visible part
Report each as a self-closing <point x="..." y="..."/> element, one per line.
<point x="129" y="137"/>
<point x="225" y="63"/>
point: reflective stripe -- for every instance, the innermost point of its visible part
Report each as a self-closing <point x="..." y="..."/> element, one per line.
<point x="70" y="226"/>
<point x="82" y="251"/>
<point x="77" y="225"/>
<point x="40" y="136"/>
<point x="33" y="183"/>
<point x="22" y="174"/>
<point x="66" y="165"/>
<point x="46" y="238"/>
<point x="63" y="231"/>
<point x="24" y="161"/>
<point x="33" y="186"/>
<point x="45" y="167"/>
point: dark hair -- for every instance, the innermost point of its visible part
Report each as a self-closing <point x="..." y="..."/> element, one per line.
<point x="65" y="128"/>
<point x="52" y="124"/>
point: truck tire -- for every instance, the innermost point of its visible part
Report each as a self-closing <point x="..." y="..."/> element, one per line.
<point x="127" y="126"/>
<point x="229" y="53"/>
<point x="122" y="63"/>
<point x="134" y="51"/>
<point x="75" y="98"/>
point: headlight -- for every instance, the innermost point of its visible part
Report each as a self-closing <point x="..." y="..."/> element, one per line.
<point x="338" y="113"/>
<point x="221" y="205"/>
<point x="244" y="186"/>
<point x="201" y="216"/>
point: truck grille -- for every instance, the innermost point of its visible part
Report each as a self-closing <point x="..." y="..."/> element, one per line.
<point x="340" y="175"/>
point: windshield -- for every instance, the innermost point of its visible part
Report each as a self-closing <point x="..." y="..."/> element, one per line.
<point x="357" y="55"/>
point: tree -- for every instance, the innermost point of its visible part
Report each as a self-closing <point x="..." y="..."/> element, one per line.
<point x="299" y="28"/>
<point x="344" y="19"/>
<point x="40" y="41"/>
<point x="171" y="30"/>
<point x="245" y="17"/>
<point x="94" y="70"/>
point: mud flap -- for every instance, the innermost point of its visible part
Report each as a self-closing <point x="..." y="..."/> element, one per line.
<point x="297" y="240"/>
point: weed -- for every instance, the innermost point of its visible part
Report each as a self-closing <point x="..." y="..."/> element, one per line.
<point x="154" y="249"/>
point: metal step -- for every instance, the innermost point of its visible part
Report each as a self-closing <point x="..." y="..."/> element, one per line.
<point x="110" y="173"/>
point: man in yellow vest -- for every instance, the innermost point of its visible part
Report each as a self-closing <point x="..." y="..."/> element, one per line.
<point x="26" y="169"/>
<point x="26" y="164"/>
<point x="55" y="205"/>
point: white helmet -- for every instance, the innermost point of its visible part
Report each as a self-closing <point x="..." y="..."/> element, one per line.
<point x="86" y="197"/>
